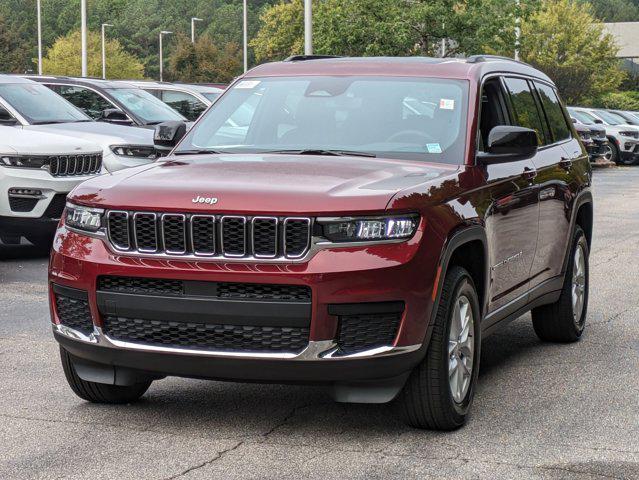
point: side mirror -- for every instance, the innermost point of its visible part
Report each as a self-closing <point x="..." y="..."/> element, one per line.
<point x="600" y="122"/>
<point x="115" y="115"/>
<point x="574" y="120"/>
<point x="508" y="143"/>
<point x="167" y="135"/>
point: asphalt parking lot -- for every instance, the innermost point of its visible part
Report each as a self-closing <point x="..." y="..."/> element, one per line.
<point x="541" y="410"/>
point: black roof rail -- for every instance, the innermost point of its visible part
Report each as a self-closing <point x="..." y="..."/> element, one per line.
<point x="487" y="58"/>
<point x="302" y="58"/>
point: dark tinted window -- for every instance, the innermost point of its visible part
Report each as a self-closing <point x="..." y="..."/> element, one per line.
<point x="90" y="102"/>
<point x="39" y="105"/>
<point x="554" y="112"/>
<point x="186" y="104"/>
<point x="524" y="106"/>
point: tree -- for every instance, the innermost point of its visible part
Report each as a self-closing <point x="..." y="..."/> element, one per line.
<point x="382" y="27"/>
<point x="615" y="10"/>
<point x="14" y="54"/>
<point x="63" y="58"/>
<point x="204" y="62"/>
<point x="564" y="40"/>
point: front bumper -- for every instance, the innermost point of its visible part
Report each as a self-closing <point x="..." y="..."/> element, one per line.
<point x="399" y="272"/>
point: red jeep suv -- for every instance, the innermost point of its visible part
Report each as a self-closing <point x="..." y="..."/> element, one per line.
<point x="359" y="223"/>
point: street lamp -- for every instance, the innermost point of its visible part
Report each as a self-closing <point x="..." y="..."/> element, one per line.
<point x="39" y="39"/>
<point x="245" y="35"/>
<point x="83" y="34"/>
<point x="517" y="29"/>
<point x="162" y="33"/>
<point x="193" y="20"/>
<point x="104" y="25"/>
<point x="308" y="27"/>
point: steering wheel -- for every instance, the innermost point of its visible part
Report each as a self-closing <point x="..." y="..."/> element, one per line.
<point x="416" y="135"/>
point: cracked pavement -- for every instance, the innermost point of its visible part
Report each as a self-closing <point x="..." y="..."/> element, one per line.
<point x="541" y="410"/>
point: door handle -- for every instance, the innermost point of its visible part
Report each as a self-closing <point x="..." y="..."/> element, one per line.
<point x="566" y="163"/>
<point x="529" y="174"/>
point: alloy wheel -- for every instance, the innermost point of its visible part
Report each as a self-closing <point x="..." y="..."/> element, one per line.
<point x="461" y="349"/>
<point x="578" y="284"/>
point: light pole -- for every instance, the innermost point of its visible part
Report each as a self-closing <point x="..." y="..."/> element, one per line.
<point x="39" y="39"/>
<point x="245" y="36"/>
<point x="104" y="25"/>
<point x="193" y="20"/>
<point x="308" y="27"/>
<point x="517" y="30"/>
<point x="162" y="33"/>
<point x="83" y="34"/>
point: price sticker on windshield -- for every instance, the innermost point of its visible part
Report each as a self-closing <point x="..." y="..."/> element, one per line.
<point x="247" y="84"/>
<point x="447" y="104"/>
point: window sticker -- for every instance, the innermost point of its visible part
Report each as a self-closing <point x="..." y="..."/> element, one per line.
<point x="247" y="84"/>
<point x="434" y="148"/>
<point x="447" y="104"/>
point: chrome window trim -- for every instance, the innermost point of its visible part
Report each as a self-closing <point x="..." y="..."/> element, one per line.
<point x="162" y="234"/>
<point x="309" y="224"/>
<point x="135" y="232"/>
<point x="128" y="230"/>
<point x="277" y="223"/>
<point x="224" y="253"/>
<point x="204" y="254"/>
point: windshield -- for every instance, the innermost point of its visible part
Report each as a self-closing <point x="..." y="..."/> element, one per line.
<point x="611" y="118"/>
<point x="145" y="106"/>
<point x="583" y="117"/>
<point x="408" y="118"/>
<point x="39" y="105"/>
<point x="211" y="96"/>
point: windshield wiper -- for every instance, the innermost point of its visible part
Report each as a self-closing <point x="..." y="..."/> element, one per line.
<point x="320" y="151"/>
<point x="201" y="151"/>
<point x="51" y="122"/>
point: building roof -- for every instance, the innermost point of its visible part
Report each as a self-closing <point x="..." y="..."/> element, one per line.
<point x="626" y="35"/>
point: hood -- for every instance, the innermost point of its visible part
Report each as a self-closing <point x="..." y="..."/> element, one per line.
<point x="102" y="133"/>
<point x="269" y="184"/>
<point x="26" y="142"/>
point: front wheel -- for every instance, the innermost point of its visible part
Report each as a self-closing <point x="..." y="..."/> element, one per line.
<point x="99" y="392"/>
<point x="439" y="392"/>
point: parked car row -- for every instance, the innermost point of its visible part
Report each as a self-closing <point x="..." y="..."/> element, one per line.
<point x="56" y="132"/>
<point x="620" y="128"/>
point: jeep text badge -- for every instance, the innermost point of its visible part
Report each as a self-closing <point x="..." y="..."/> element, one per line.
<point x="209" y="200"/>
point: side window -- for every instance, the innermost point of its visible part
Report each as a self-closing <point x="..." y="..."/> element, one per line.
<point x="186" y="104"/>
<point x="86" y="100"/>
<point x="5" y="116"/>
<point x="493" y="110"/>
<point x="525" y="107"/>
<point x="554" y="112"/>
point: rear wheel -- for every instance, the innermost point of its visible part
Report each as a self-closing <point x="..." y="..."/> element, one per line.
<point x="439" y="392"/>
<point x="99" y="392"/>
<point x="564" y="320"/>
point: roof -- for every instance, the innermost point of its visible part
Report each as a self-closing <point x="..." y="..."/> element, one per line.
<point x="6" y="79"/>
<point x="95" y="82"/>
<point x="626" y="36"/>
<point x="183" y="86"/>
<point x="454" y="68"/>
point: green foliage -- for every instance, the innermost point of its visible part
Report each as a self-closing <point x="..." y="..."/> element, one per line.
<point x="204" y="61"/>
<point x="615" y="10"/>
<point x="563" y="40"/>
<point x="617" y="101"/>
<point x="63" y="58"/>
<point x="382" y="27"/>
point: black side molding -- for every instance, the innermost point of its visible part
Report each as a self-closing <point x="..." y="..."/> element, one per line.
<point x="344" y="309"/>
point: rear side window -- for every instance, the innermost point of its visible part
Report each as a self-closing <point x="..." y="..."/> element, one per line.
<point x="525" y="107"/>
<point x="554" y="112"/>
<point x="90" y="102"/>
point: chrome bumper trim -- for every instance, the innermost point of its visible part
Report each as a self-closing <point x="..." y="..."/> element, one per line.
<point x="324" y="350"/>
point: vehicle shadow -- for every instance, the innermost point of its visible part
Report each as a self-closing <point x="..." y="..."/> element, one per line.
<point x="22" y="251"/>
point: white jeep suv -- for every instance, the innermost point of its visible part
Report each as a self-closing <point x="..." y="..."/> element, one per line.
<point x="37" y="170"/>
<point x="31" y="106"/>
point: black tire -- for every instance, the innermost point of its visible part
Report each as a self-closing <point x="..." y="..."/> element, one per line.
<point x="557" y="322"/>
<point x="99" y="392"/>
<point x="427" y="400"/>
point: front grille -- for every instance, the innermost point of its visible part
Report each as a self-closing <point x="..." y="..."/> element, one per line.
<point x="22" y="204"/>
<point x="204" y="336"/>
<point x="70" y="165"/>
<point x="209" y="235"/>
<point x="357" y="333"/>
<point x="74" y="313"/>
<point x="56" y="206"/>
<point x="161" y="286"/>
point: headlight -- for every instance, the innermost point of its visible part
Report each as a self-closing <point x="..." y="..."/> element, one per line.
<point x="23" y="161"/>
<point x="368" y="229"/>
<point x="584" y="135"/>
<point x="138" y="151"/>
<point x="83" y="218"/>
<point x="630" y="134"/>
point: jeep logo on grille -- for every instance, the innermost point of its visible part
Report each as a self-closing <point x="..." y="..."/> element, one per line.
<point x="209" y="200"/>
